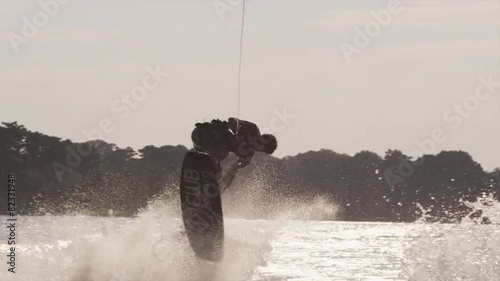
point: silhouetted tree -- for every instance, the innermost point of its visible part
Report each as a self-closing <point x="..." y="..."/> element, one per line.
<point x="98" y="178"/>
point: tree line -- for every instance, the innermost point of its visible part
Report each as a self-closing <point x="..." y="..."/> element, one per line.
<point x="56" y="176"/>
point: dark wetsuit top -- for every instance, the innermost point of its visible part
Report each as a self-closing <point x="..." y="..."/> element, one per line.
<point x="237" y="136"/>
<point x="247" y="134"/>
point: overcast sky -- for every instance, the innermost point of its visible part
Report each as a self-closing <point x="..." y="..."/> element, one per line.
<point x="396" y="90"/>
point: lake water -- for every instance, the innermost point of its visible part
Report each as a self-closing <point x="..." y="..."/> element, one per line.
<point x="152" y="247"/>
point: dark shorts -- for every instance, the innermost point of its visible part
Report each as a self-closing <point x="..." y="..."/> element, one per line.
<point x="206" y="140"/>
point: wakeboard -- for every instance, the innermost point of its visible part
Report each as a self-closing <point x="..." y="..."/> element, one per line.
<point x="201" y="205"/>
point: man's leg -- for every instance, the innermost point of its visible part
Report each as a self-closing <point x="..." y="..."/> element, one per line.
<point x="228" y="178"/>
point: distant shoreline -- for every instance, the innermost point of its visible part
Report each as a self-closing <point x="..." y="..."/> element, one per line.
<point x="57" y="176"/>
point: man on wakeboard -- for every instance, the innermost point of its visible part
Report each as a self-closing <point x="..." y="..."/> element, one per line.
<point x="243" y="138"/>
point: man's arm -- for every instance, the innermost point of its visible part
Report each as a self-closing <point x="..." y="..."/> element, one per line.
<point x="228" y="178"/>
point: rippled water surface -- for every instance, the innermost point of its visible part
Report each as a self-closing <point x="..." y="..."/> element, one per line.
<point x="152" y="247"/>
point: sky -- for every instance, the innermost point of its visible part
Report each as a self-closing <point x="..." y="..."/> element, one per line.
<point x="142" y="72"/>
